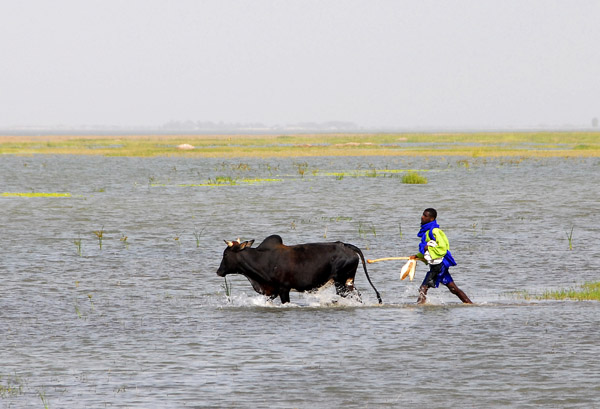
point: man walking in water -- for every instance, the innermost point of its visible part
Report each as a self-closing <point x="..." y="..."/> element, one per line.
<point x="435" y="250"/>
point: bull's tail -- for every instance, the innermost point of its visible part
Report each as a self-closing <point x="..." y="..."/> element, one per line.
<point x="362" y="258"/>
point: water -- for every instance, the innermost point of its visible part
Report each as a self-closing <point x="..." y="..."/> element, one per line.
<point x="145" y="322"/>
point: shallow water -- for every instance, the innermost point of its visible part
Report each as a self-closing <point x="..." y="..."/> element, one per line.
<point x="145" y="322"/>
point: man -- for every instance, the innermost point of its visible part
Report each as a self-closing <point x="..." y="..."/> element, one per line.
<point x="435" y="250"/>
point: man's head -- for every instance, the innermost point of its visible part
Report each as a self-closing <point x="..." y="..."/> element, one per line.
<point x="428" y="216"/>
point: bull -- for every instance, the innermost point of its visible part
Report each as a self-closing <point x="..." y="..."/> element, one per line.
<point x="275" y="269"/>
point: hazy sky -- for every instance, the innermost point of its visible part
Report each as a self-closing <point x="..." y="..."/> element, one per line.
<point x="394" y="63"/>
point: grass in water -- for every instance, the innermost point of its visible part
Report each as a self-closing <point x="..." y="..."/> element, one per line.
<point x="413" y="178"/>
<point x="222" y="180"/>
<point x="35" y="194"/>
<point x="91" y="302"/>
<point x="198" y="235"/>
<point x="302" y="167"/>
<point x="229" y="181"/>
<point x="44" y="399"/>
<point x="364" y="229"/>
<point x="78" y="245"/>
<point x="77" y="310"/>
<point x="12" y="387"/>
<point x="100" y="235"/>
<point x="570" y="238"/>
<point x="587" y="292"/>
<point x="123" y="240"/>
<point x="227" y="288"/>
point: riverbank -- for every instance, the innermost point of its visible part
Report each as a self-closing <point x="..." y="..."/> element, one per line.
<point x="497" y="144"/>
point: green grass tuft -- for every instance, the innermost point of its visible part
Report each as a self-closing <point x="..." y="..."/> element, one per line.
<point x="588" y="291"/>
<point x="413" y="178"/>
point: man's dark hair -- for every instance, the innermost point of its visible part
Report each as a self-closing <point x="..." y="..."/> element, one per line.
<point x="432" y="212"/>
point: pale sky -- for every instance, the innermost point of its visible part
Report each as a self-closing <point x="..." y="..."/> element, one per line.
<point x="376" y="63"/>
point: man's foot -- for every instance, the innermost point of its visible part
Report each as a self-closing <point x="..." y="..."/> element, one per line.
<point x="422" y="295"/>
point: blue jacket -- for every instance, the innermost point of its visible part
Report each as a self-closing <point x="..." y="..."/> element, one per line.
<point x="426" y="234"/>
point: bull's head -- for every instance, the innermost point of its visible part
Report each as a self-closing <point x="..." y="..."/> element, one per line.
<point x="238" y="242"/>
<point x="229" y="263"/>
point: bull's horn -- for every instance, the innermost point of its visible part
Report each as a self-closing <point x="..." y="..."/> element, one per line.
<point x="247" y="243"/>
<point x="229" y="243"/>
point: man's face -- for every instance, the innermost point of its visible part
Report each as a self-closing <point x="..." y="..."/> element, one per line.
<point x="426" y="218"/>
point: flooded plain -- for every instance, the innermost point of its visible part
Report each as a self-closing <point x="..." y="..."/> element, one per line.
<point x="110" y="297"/>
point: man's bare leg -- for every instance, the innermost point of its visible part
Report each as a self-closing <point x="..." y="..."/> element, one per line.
<point x="459" y="293"/>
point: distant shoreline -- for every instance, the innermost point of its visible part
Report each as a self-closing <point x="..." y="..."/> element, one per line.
<point x="475" y="144"/>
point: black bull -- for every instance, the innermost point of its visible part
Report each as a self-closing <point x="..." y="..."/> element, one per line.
<point x="274" y="269"/>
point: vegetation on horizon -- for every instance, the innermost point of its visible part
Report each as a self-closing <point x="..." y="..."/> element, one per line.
<point x="490" y="144"/>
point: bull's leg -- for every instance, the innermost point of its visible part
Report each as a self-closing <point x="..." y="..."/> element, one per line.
<point x="284" y="296"/>
<point x="344" y="278"/>
<point x="352" y="289"/>
<point x="347" y="288"/>
<point x="340" y="289"/>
